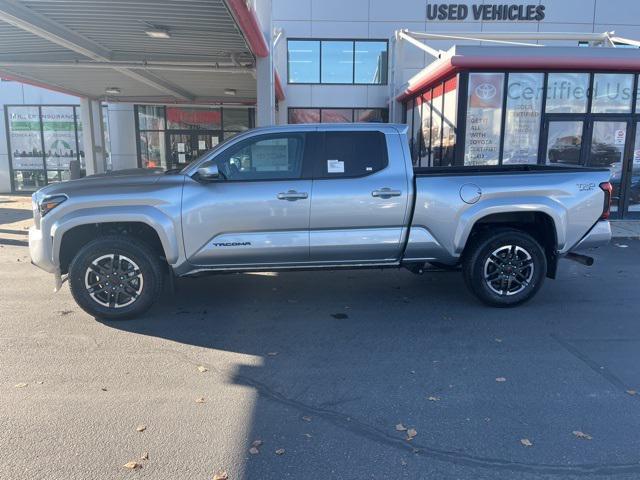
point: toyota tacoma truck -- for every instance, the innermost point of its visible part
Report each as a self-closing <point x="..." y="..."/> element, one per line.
<point x="315" y="197"/>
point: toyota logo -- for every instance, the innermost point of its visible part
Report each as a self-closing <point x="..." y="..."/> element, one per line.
<point x="486" y="91"/>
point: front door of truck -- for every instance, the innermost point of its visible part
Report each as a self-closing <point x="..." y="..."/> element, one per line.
<point x="257" y="211"/>
<point x="360" y="198"/>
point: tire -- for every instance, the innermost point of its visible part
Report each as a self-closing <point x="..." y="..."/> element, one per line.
<point x="504" y="267"/>
<point x="92" y="267"/>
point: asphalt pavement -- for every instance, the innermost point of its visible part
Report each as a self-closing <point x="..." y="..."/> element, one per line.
<point x="332" y="372"/>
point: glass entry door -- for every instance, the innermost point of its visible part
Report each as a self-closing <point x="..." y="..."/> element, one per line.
<point x="185" y="146"/>
<point x="600" y="141"/>
<point x="607" y="148"/>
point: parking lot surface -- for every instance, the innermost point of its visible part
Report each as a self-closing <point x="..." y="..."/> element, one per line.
<point x="331" y="371"/>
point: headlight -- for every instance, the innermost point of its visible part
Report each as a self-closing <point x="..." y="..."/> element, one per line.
<point x="49" y="203"/>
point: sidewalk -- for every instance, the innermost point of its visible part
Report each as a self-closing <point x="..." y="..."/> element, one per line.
<point x="625" y="228"/>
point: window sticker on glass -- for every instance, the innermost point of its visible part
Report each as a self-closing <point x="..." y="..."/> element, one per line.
<point x="202" y="145"/>
<point x="182" y="158"/>
<point x="620" y="137"/>
<point x="180" y="147"/>
<point x="335" y="166"/>
<point x="214" y="141"/>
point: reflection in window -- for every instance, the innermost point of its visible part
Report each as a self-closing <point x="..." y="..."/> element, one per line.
<point x="522" y="122"/>
<point x="266" y="158"/>
<point x="304" y="61"/>
<point x="449" y="122"/>
<point x="567" y="92"/>
<point x="333" y="115"/>
<point x="612" y="93"/>
<point x="235" y="119"/>
<point x="150" y="117"/>
<point x="416" y="123"/>
<point x="371" y="62"/>
<point x="337" y="62"/>
<point x="336" y="115"/>
<point x="304" y="115"/>
<point x="152" y="149"/>
<point x="182" y="118"/>
<point x="58" y="126"/>
<point x="436" y="126"/>
<point x="607" y="149"/>
<point x="564" y="142"/>
<point x="484" y="115"/>
<point x="425" y="134"/>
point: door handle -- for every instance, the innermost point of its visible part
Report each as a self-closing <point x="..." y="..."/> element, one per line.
<point x="386" y="193"/>
<point x="292" y="195"/>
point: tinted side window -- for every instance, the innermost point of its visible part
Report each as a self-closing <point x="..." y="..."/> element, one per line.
<point x="351" y="154"/>
<point x="267" y="157"/>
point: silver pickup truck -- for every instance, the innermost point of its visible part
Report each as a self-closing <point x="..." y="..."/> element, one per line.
<point x="315" y="197"/>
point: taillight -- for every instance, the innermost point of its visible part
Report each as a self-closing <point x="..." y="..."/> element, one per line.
<point x="607" y="188"/>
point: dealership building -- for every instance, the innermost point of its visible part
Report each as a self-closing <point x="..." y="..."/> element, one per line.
<point x="97" y="86"/>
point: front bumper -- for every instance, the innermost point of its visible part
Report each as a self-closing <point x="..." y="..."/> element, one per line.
<point x="599" y="235"/>
<point x="40" y="250"/>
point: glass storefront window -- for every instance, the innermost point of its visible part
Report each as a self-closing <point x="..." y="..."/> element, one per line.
<point x="612" y="93"/>
<point x="436" y="127"/>
<point x="522" y="122"/>
<point x="182" y="118"/>
<point x="304" y="115"/>
<point x="336" y="115"/>
<point x="58" y="126"/>
<point x="25" y="138"/>
<point x="362" y="62"/>
<point x="567" y="93"/>
<point x="378" y="115"/>
<point x="150" y="117"/>
<point x="304" y="61"/>
<point x="484" y="115"/>
<point x="370" y="62"/>
<point x="235" y="119"/>
<point x="337" y="62"/>
<point x="153" y="149"/>
<point x="449" y="110"/>
<point x="633" y="193"/>
<point x="607" y="149"/>
<point x="564" y="142"/>
<point x="425" y="144"/>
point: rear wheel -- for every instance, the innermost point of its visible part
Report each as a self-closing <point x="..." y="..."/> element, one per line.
<point x="505" y="268"/>
<point x="112" y="278"/>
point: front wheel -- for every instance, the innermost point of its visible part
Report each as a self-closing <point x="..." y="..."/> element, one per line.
<point x="505" y="268"/>
<point x="112" y="278"/>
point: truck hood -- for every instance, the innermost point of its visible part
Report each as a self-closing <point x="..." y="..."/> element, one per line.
<point x="129" y="177"/>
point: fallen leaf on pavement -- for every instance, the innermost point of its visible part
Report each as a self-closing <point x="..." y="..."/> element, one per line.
<point x="132" y="465"/>
<point x="202" y="369"/>
<point x="200" y="400"/>
<point x="526" y="442"/>
<point x="21" y="385"/>
<point x="280" y="451"/>
<point x="412" y="432"/>
<point x="221" y="476"/>
<point x="632" y="392"/>
<point x="306" y="418"/>
<point x="141" y="428"/>
<point x="103" y="389"/>
<point x="401" y="428"/>
<point x="254" y="451"/>
<point x="501" y="379"/>
<point x="582" y="435"/>
<point x="144" y="456"/>
<point x="257" y="443"/>
<point x="433" y="399"/>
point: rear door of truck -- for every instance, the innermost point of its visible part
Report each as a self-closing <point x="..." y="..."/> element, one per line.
<point x="360" y="196"/>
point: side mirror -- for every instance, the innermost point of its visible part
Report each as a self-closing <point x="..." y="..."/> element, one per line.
<point x="208" y="171"/>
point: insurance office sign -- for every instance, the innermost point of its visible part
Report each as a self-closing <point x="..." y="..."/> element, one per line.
<point x="485" y="12"/>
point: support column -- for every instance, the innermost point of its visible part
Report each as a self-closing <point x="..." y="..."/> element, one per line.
<point x="266" y="103"/>
<point x="92" y="135"/>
